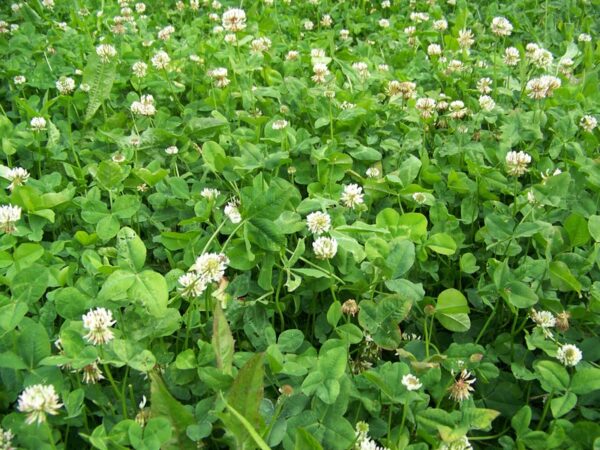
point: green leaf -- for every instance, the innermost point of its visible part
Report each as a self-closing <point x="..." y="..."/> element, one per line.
<point x="150" y="289"/>
<point x="333" y="357"/>
<point x="442" y="243"/>
<point x="100" y="77"/>
<point x="258" y="441"/>
<point x="452" y="311"/>
<point x="305" y="441"/>
<point x="381" y="319"/>
<point x="33" y="343"/>
<point x="222" y="340"/>
<point x="594" y="227"/>
<point x="586" y="380"/>
<point x="143" y="361"/>
<point x="110" y="175"/>
<point x="290" y="340"/>
<point x="131" y="251"/>
<point x="520" y="295"/>
<point x="400" y="258"/>
<point x="11" y="315"/>
<point x="107" y="227"/>
<point x="214" y="156"/>
<point x="164" y="405"/>
<point x="334" y="314"/>
<point x="29" y="284"/>
<point x="10" y="360"/>
<point x="562" y="405"/>
<point x="552" y="375"/>
<point x="246" y="394"/>
<point x="562" y="278"/>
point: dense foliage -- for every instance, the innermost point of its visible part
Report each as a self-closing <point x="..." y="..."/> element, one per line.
<point x="299" y="224"/>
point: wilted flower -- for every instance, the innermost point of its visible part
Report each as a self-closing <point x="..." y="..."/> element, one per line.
<point x="143" y="414"/>
<point x="411" y="382"/>
<point x="462" y="387"/>
<point x="38" y="123"/>
<point x="350" y="307"/>
<point x="352" y="196"/>
<point x="569" y="355"/>
<point x="161" y="60"/>
<point x="501" y="26"/>
<point x="588" y="123"/>
<point x="325" y="248"/>
<point x="517" y="162"/>
<point x="92" y="373"/>
<point x="562" y="321"/>
<point x="106" y="52"/>
<point x="318" y="222"/>
<point x="139" y="69"/>
<point x="17" y="176"/>
<point x="98" y="323"/>
<point x="9" y="216"/>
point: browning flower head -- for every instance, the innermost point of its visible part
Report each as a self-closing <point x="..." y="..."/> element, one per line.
<point x="462" y="387"/>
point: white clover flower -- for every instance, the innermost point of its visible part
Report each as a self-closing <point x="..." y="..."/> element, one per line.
<point x="92" y="373"/>
<point x="139" y="69"/>
<point x="98" y="323"/>
<point x="383" y="67"/>
<point x="549" y="173"/>
<point x="37" y="401"/>
<point x="487" y="103"/>
<point x="543" y="319"/>
<point x="540" y="57"/>
<point x="440" y="25"/>
<point x="140" y="8"/>
<point x="230" y="38"/>
<point x="588" y="123"/>
<point x="161" y="60"/>
<point x="384" y="23"/>
<point x="406" y="88"/>
<point x="326" y="21"/>
<point x="220" y="76"/>
<point x="19" y="79"/>
<point x="372" y="172"/>
<point x="317" y="53"/>
<point x="434" y="50"/>
<point x="232" y="212"/>
<point x="419" y="197"/>
<point x="501" y="26"/>
<point x="325" y="248"/>
<point x="308" y="25"/>
<point x="465" y="38"/>
<point x="38" y="123"/>
<point x="484" y="85"/>
<point x="292" y="55"/>
<point x="458" y="110"/>
<point x="106" y="52"/>
<point x="419" y="17"/>
<point x="166" y="33"/>
<point x="318" y="222"/>
<point x="9" y="216"/>
<point x="411" y="382"/>
<point x="517" y="162"/>
<point x="584" y="37"/>
<point x="385" y="4"/>
<point x="511" y="56"/>
<point x="530" y="197"/>
<point x="279" y="124"/>
<point x="454" y="66"/>
<point x="211" y="266"/>
<point x="144" y="107"/>
<point x="320" y="72"/>
<point x="214" y="17"/>
<point x="171" y="150"/>
<point x="49" y="4"/>
<point x="17" y="177"/>
<point x="362" y="69"/>
<point x="352" y="196"/>
<point x="344" y="34"/>
<point x="363" y="441"/>
<point x="458" y="444"/>
<point x="209" y="193"/>
<point x="65" y="85"/>
<point x="234" y="20"/>
<point x="192" y="284"/>
<point x="542" y="87"/>
<point x="569" y="355"/>
<point x="426" y="107"/>
<point x="260" y="45"/>
<point x="84" y="87"/>
<point x="6" y="438"/>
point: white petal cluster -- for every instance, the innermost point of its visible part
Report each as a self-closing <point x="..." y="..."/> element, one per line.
<point x="210" y="193"/>
<point x="325" y="248"/>
<point x="6" y="438"/>
<point x="542" y="87"/>
<point x="517" y="163"/>
<point x="161" y="60"/>
<point x="411" y="382"/>
<point x="98" y="322"/>
<point x="38" y="123"/>
<point x="363" y="440"/>
<point x="320" y="72"/>
<point x="37" y="401"/>
<point x="65" y="85"/>
<point x="139" y="69"/>
<point x="501" y="26"/>
<point x="588" y="123"/>
<point x="9" y="216"/>
<point x="569" y="355"/>
<point x="279" y="124"/>
<point x="166" y="32"/>
<point x="208" y="268"/>
<point x="318" y="222"/>
<point x="426" y="107"/>
<point x="232" y="211"/>
<point x="144" y="107"/>
<point x="352" y="196"/>
<point x="234" y="20"/>
<point x="487" y="103"/>
<point x="220" y="76"/>
<point x="17" y="177"/>
<point x="511" y="56"/>
<point x="106" y="52"/>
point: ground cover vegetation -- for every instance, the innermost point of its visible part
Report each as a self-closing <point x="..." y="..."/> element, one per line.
<point x="299" y="225"/>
